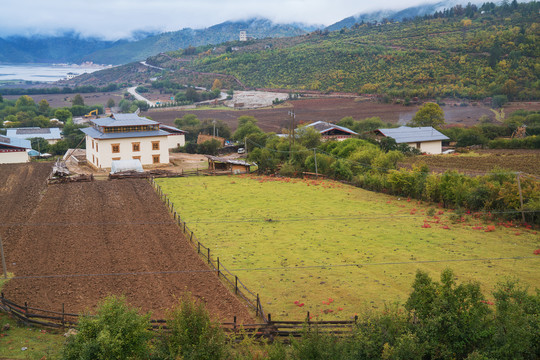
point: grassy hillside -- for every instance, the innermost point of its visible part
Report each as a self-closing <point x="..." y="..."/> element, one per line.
<point x="473" y="53"/>
<point x="307" y="241"/>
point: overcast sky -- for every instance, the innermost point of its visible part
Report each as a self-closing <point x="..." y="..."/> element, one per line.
<point x="113" y="19"/>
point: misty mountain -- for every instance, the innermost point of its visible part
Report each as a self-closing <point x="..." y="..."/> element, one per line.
<point x="72" y="48"/>
<point x="67" y="48"/>
<point x="227" y="31"/>
<point x="395" y="15"/>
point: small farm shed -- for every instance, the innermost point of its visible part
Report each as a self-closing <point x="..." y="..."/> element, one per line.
<point x="233" y="166"/>
<point x="13" y="150"/>
<point x="52" y="135"/>
<point x="330" y="131"/>
<point x="426" y="138"/>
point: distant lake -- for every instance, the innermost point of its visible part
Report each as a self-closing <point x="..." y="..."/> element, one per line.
<point x="42" y="72"/>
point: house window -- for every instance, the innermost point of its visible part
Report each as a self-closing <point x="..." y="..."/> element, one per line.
<point x="137" y="158"/>
<point x="116" y="158"/>
<point x="115" y="148"/>
<point x="418" y="145"/>
<point x="136" y="146"/>
<point x="155" y="159"/>
<point x="97" y="146"/>
<point x="92" y="144"/>
<point x="155" y="145"/>
<point x="93" y="159"/>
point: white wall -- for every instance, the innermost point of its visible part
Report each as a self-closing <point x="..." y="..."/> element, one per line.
<point x="176" y="140"/>
<point x="14" y="157"/>
<point x="428" y="147"/>
<point x="102" y="156"/>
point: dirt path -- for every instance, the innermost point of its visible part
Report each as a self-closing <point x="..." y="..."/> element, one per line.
<point x="100" y="234"/>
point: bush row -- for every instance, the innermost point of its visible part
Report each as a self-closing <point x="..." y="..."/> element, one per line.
<point x="439" y="320"/>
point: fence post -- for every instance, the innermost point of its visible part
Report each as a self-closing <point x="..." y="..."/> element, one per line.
<point x="235" y="285"/>
<point x="63" y="317"/>
<point x="191" y="237"/>
<point x="234" y="324"/>
<point x="26" y="310"/>
<point x="198" y="247"/>
<point x="208" y="255"/>
<point x="4" y="269"/>
<point x="257" y="306"/>
<point x="520" y="198"/>
<point x="218" y="266"/>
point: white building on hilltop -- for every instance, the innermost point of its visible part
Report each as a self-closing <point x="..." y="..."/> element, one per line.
<point x="126" y="137"/>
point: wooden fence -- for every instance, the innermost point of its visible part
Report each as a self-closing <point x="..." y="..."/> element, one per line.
<point x="268" y="330"/>
<point x="251" y="298"/>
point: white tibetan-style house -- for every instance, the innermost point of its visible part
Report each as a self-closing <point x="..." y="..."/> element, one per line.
<point x="13" y="150"/>
<point x="426" y="138"/>
<point x="126" y="137"/>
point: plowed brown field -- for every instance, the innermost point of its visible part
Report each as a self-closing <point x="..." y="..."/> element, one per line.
<point x="481" y="161"/>
<point x="88" y="240"/>
<point x="327" y="109"/>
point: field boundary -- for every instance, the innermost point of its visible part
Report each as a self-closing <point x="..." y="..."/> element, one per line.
<point x="268" y="329"/>
<point x="251" y="298"/>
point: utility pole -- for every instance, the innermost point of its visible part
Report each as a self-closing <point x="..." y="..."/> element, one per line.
<point x="214" y="122"/>
<point x="293" y="116"/>
<point x="520" y="197"/>
<point x="315" y="155"/>
<point x="3" y="259"/>
<point x="245" y="145"/>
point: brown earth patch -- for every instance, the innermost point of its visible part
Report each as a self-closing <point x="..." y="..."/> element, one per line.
<point x="482" y="161"/>
<point x="110" y="237"/>
<point x="332" y="110"/>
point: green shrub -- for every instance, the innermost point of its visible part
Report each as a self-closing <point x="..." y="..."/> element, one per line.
<point x="287" y="170"/>
<point x="517" y="323"/>
<point x="116" y="332"/>
<point x="193" y="335"/>
<point x="451" y="319"/>
<point x="341" y="170"/>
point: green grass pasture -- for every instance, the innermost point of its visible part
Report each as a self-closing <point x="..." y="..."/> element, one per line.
<point x="40" y="343"/>
<point x="341" y="250"/>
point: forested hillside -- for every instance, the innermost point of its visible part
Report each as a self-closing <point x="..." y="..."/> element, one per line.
<point x="466" y="52"/>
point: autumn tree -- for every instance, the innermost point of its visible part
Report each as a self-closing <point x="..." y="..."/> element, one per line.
<point x="429" y="114"/>
<point x="217" y="84"/>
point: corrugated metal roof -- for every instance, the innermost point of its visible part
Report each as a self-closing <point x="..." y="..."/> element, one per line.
<point x="323" y="126"/>
<point x="33" y="132"/>
<point x="90" y="131"/>
<point x="229" y="161"/>
<point x="406" y="134"/>
<point x="124" y="120"/>
<point x="15" y="142"/>
<point x="171" y="129"/>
